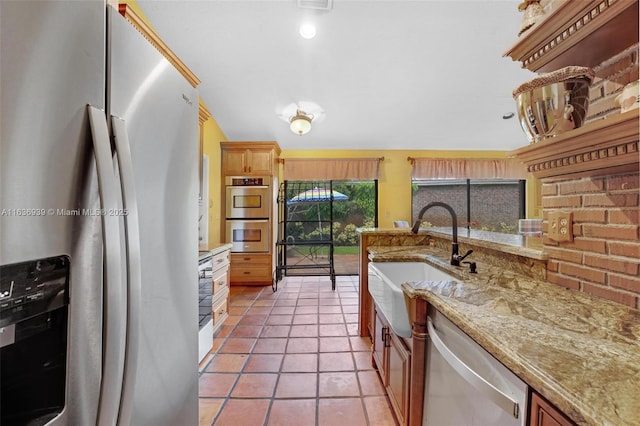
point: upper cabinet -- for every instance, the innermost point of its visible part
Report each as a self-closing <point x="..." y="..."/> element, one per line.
<point x="249" y="159"/>
<point x="584" y="33"/>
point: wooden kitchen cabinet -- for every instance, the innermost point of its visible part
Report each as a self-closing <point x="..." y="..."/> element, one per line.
<point x="545" y="414"/>
<point x="399" y="370"/>
<point x="392" y="357"/>
<point x="220" y="287"/>
<point x="251" y="268"/>
<point x="248" y="159"/>
<point x="251" y="159"/>
<point x="379" y="347"/>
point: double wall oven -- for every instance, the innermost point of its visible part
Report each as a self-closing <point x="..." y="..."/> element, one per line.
<point x="247" y="211"/>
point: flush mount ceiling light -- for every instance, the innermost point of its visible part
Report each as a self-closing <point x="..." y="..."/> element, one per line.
<point x="307" y="31"/>
<point x="301" y="122"/>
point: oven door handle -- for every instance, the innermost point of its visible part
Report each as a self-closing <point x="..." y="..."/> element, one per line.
<point x="485" y="388"/>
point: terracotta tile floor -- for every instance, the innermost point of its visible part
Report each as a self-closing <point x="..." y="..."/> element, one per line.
<point x="293" y="358"/>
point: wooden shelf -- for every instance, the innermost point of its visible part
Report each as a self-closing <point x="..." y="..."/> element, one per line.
<point x="601" y="147"/>
<point x="581" y="33"/>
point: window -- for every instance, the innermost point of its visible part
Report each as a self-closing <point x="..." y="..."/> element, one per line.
<point x="485" y="204"/>
<point x="308" y="216"/>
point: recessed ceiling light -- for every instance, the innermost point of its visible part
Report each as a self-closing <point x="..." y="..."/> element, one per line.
<point x="307" y="31"/>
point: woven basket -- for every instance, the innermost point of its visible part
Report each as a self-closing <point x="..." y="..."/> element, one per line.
<point x="557" y="76"/>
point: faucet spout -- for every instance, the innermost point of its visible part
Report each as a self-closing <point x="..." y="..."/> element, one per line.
<point x="455" y="257"/>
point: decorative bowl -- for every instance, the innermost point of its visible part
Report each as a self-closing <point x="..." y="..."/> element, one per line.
<point x="553" y="103"/>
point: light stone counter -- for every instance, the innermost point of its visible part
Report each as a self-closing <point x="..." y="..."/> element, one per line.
<point x="204" y="254"/>
<point x="579" y="352"/>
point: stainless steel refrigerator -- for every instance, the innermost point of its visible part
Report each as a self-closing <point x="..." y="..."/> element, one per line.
<point x="99" y="223"/>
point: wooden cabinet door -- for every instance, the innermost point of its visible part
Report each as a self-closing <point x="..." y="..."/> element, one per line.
<point x="234" y="162"/>
<point x="545" y="414"/>
<point x="381" y="331"/>
<point x="260" y="162"/>
<point x="248" y="161"/>
<point x="399" y="372"/>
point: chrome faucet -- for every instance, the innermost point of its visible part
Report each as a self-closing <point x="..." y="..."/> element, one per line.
<point x="455" y="257"/>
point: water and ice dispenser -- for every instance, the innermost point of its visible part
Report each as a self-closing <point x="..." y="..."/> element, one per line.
<point x="34" y="301"/>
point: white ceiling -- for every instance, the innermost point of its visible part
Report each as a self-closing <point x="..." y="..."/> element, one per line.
<point x="397" y="74"/>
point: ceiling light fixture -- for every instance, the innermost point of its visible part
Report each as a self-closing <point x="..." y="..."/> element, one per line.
<point x="301" y="122"/>
<point x="307" y="31"/>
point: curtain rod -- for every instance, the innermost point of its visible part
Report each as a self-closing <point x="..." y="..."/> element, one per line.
<point x="412" y="160"/>
<point x="281" y="160"/>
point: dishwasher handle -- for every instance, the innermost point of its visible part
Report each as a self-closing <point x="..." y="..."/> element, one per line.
<point x="501" y="399"/>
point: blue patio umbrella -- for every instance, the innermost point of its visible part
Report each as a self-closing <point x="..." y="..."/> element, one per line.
<point x="317" y="196"/>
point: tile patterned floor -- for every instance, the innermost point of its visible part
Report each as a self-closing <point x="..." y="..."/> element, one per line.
<point x="292" y="357"/>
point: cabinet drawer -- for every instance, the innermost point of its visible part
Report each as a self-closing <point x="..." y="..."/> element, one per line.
<point x="220" y="260"/>
<point x="219" y="313"/>
<point x="251" y="274"/>
<point x="220" y="281"/>
<point x="246" y="259"/>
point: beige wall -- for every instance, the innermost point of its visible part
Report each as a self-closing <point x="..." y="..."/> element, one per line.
<point x="212" y="136"/>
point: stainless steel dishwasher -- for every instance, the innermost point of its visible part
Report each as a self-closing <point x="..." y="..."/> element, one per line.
<point x="466" y="385"/>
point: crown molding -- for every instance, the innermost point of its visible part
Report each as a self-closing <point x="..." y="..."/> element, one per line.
<point x="152" y="36"/>
<point x="203" y="112"/>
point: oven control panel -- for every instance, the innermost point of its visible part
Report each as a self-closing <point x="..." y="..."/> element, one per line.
<point x="246" y="181"/>
<point x="33" y="287"/>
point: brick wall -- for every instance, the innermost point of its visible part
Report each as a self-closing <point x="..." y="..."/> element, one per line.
<point x="604" y="257"/>
<point x="611" y="77"/>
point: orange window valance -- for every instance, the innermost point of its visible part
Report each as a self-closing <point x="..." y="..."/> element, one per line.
<point x="331" y="168"/>
<point x="463" y="168"/>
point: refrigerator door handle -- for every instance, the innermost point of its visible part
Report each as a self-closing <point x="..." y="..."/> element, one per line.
<point x="114" y="326"/>
<point x="134" y="274"/>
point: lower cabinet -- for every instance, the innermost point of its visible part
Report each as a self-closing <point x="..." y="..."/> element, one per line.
<point x="392" y="357"/>
<point x="220" y="288"/>
<point x="251" y="268"/>
<point x="545" y="414"/>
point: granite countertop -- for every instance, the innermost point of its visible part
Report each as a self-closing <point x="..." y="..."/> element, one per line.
<point x="579" y="352"/>
<point x="507" y="243"/>
<point x="204" y="254"/>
